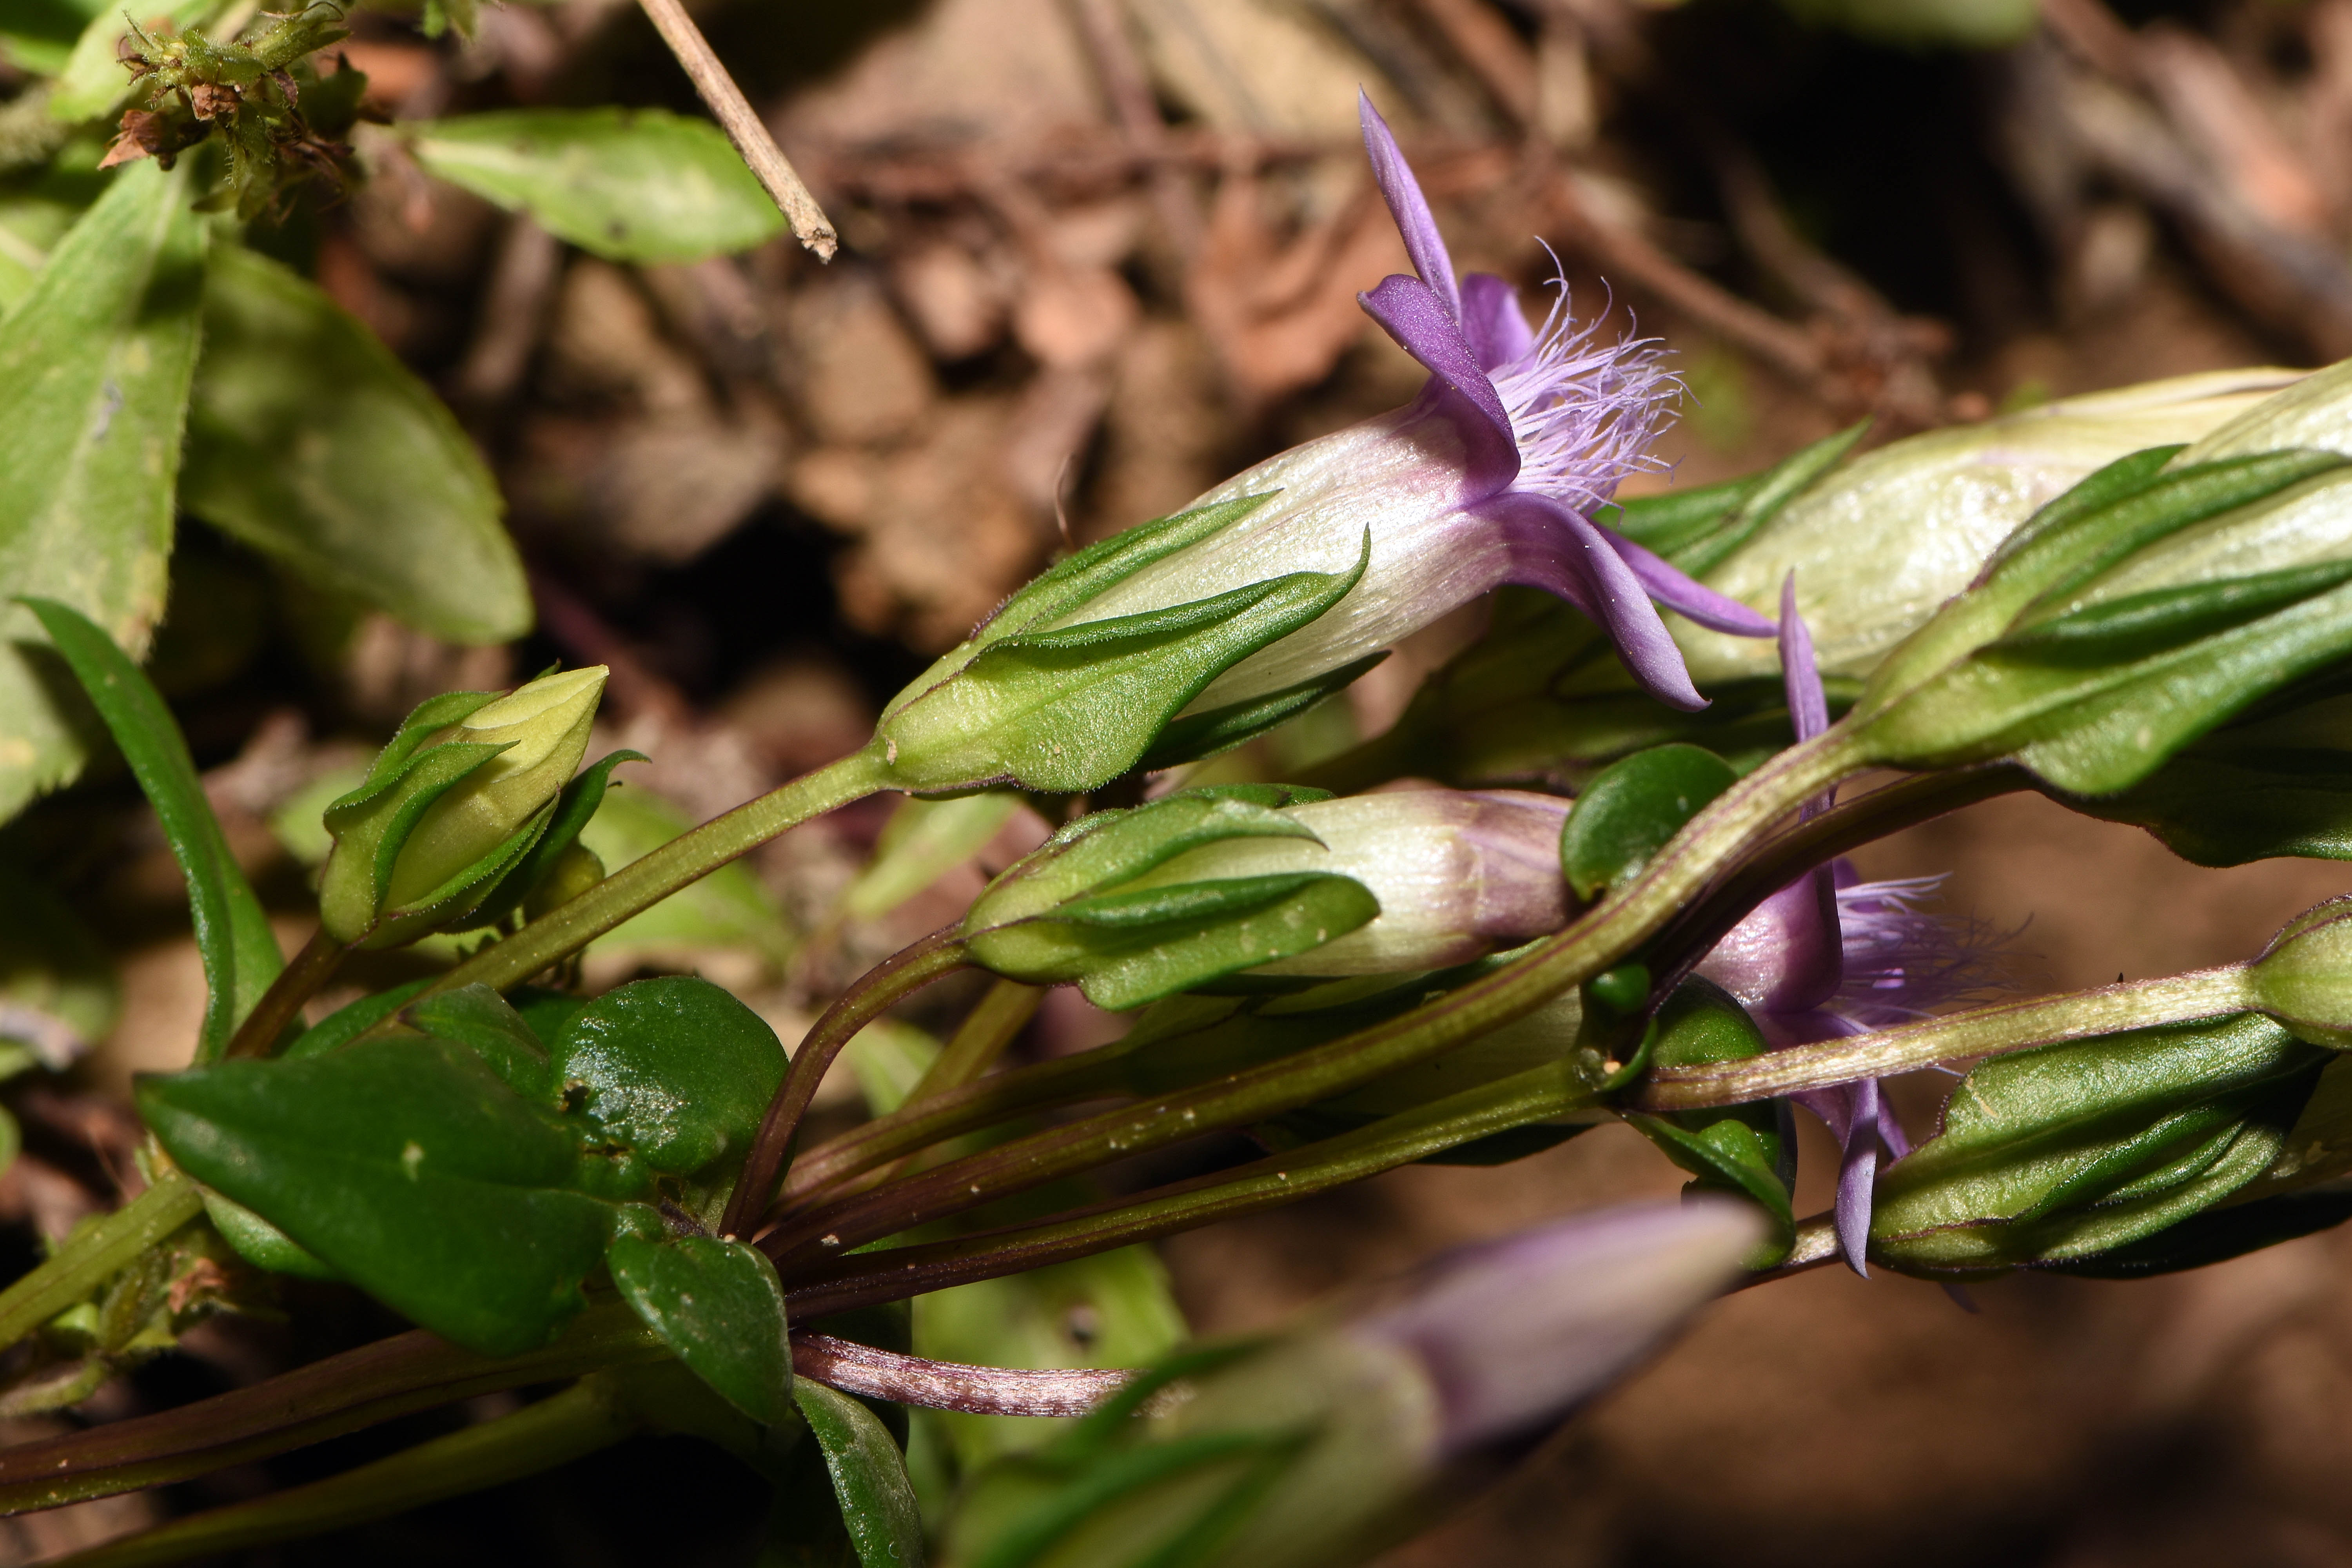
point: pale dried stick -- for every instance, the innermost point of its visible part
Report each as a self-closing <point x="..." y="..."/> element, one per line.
<point x="745" y="129"/>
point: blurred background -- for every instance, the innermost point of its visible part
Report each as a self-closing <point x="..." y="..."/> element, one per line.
<point x="1096" y="255"/>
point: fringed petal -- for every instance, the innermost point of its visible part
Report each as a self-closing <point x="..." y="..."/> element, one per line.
<point x="1800" y="678"/>
<point x="1858" y="1174"/>
<point x="1411" y="313"/>
<point x="1670" y="585"/>
<point x="1554" y="549"/>
<point x="1409" y="207"/>
<point x="1491" y="319"/>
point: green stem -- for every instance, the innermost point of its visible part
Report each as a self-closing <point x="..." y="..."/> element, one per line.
<point x="1538" y="1095"/>
<point x="589" y="1415"/>
<point x="94" y="1253"/>
<point x="296" y="984"/>
<point x="875" y="993"/>
<point x="1605" y="934"/>
<point x="914" y="1127"/>
<point x="1982" y="1032"/>
<point x="646" y="882"/>
<point x="341" y="1393"/>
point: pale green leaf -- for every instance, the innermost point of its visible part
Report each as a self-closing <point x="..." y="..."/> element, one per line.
<point x="94" y="374"/>
<point x="629" y="184"/>
<point x="311" y="442"/>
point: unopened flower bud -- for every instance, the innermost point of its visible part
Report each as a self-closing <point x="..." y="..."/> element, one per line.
<point x="2067" y="1152"/>
<point x="2312" y="413"/>
<point x="1339" y="1432"/>
<point x="2126" y="619"/>
<point x="1878" y="544"/>
<point x="1137" y="905"/>
<point x="456" y="798"/>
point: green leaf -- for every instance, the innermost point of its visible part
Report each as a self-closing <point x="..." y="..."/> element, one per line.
<point x="409" y="1167"/>
<point x="232" y="936"/>
<point x="627" y="184"/>
<point x="1071" y="709"/>
<point x="870" y="1477"/>
<point x="1125" y="948"/>
<point x="675" y="1068"/>
<point x="262" y="1244"/>
<point x="311" y="442"/>
<point x="717" y="1304"/>
<point x="94" y="370"/>
<point x="480" y="1019"/>
<point x="1632" y="808"/>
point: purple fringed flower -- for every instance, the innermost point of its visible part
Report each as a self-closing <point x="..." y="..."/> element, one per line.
<point x="1830" y="954"/>
<point x="1490" y="476"/>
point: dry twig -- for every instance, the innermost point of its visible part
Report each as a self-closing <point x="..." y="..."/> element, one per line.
<point x="745" y="127"/>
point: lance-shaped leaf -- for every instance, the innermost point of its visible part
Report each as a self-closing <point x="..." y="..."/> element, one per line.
<point x="408" y="1166"/>
<point x="718" y="1306"/>
<point x="2075" y="1149"/>
<point x="94" y="371"/>
<point x="1072" y="708"/>
<point x="639" y="184"/>
<point x="675" y="1068"/>
<point x="233" y="937"/>
<point x="310" y="441"/>
<point x="870" y="1477"/>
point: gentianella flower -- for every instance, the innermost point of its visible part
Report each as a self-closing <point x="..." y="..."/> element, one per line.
<point x="1490" y="476"/>
<point x="1830" y="954"/>
<point x="1180" y="637"/>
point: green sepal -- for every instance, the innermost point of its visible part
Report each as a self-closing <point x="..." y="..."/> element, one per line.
<point x="1630" y="811"/>
<point x="409" y="1167"/>
<point x="2216" y="1236"/>
<point x="870" y="1477"/>
<point x="1729" y="1154"/>
<point x="1198" y="735"/>
<point x="675" y="1068"/>
<point x="2078" y="1148"/>
<point x="1965" y="688"/>
<point x="1125" y="949"/>
<point x="1070" y="710"/>
<point x="480" y="1019"/>
<point x="718" y="1306"/>
<point x="575" y="808"/>
<point x="2275" y="782"/>
<point x="371" y="825"/>
<point x="1070" y="584"/>
<point x="1107" y="849"/>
